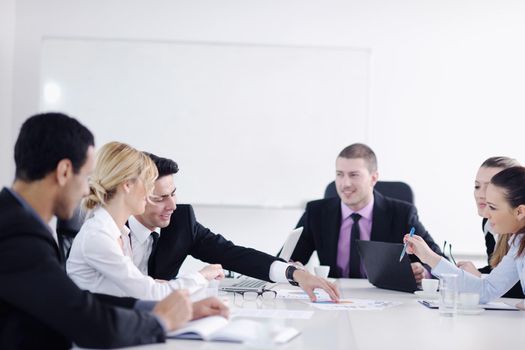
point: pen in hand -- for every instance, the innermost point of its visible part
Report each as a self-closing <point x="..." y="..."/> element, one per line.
<point x="412" y="231"/>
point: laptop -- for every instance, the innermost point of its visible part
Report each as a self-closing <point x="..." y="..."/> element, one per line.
<point x="290" y="243"/>
<point x="243" y="284"/>
<point x="383" y="268"/>
<point x="249" y="284"/>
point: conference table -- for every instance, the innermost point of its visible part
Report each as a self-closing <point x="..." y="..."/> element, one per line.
<point x="408" y="325"/>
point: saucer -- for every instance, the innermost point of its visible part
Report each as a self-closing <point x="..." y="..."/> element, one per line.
<point x="423" y="295"/>
<point x="472" y="311"/>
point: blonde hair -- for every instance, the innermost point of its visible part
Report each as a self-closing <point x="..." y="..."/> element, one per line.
<point x="117" y="163"/>
<point x="500" y="250"/>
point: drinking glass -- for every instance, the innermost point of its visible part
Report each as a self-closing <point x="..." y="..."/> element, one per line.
<point x="448" y="295"/>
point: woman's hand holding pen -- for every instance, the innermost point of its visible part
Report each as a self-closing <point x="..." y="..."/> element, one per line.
<point x="417" y="245"/>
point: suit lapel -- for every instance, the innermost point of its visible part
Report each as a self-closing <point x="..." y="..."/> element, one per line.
<point x="381" y="218"/>
<point x="331" y="229"/>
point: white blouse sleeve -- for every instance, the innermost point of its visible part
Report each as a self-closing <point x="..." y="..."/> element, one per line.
<point x="493" y="286"/>
<point x="105" y="255"/>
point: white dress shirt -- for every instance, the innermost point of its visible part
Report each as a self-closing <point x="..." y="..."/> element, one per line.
<point x="487" y="230"/>
<point x="509" y="271"/>
<point x="141" y="241"/>
<point x="100" y="261"/>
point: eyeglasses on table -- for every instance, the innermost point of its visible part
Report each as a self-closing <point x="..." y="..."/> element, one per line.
<point x="450" y="256"/>
<point x="265" y="294"/>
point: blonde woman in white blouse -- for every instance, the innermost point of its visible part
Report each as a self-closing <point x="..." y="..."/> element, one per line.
<point x="100" y="258"/>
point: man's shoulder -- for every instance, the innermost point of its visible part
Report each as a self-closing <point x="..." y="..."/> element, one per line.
<point x="392" y="204"/>
<point x="181" y="218"/>
<point x="182" y="210"/>
<point x="24" y="234"/>
<point x="184" y="207"/>
<point x="15" y="219"/>
<point x="323" y="204"/>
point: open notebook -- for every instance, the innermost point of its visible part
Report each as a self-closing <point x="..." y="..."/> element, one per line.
<point x="217" y="328"/>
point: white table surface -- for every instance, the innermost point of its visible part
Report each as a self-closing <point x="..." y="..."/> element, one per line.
<point x="407" y="326"/>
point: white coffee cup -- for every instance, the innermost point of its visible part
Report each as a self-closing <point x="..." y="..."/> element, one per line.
<point x="468" y="300"/>
<point x="429" y="285"/>
<point x="322" y="271"/>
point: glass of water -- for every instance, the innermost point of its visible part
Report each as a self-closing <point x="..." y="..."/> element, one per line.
<point x="448" y="295"/>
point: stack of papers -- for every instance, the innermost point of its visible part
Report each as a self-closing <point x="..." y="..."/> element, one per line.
<point x="325" y="303"/>
<point x="299" y="294"/>
<point x="354" y="304"/>
<point x="272" y="313"/>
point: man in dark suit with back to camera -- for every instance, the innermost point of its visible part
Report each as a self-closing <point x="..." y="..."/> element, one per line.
<point x="182" y="235"/>
<point x="332" y="225"/>
<point x="40" y="307"/>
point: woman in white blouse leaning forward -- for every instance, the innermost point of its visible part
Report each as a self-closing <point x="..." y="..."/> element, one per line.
<point x="100" y="258"/>
<point x="505" y="210"/>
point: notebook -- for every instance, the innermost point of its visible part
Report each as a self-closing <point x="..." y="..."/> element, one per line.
<point x="383" y="268"/>
<point x="488" y="306"/>
<point x="217" y="328"/>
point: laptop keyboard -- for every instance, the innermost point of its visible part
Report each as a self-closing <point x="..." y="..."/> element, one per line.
<point x="250" y="283"/>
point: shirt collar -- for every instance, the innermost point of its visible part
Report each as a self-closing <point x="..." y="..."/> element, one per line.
<point x="102" y="214"/>
<point x="139" y="231"/>
<point x="516" y="241"/>
<point x="487" y="228"/>
<point x="365" y="212"/>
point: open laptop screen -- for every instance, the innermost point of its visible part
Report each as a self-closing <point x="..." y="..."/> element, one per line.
<point x="383" y="268"/>
<point x="290" y="243"/>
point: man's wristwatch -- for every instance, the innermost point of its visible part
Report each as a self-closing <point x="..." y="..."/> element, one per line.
<point x="289" y="275"/>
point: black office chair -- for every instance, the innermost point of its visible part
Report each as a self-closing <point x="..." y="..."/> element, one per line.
<point x="394" y="189"/>
<point x="67" y="230"/>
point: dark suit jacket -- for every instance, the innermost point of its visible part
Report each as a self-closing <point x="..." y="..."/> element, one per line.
<point x="392" y="219"/>
<point x="41" y="308"/>
<point x="185" y="236"/>
<point x="516" y="291"/>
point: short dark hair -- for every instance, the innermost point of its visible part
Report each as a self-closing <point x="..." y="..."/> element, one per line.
<point x="499" y="162"/>
<point x="165" y="166"/>
<point x="47" y="138"/>
<point x="360" y="150"/>
<point x="512" y="181"/>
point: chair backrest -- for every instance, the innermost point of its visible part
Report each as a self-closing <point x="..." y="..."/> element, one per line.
<point x="394" y="189"/>
<point x="67" y="230"/>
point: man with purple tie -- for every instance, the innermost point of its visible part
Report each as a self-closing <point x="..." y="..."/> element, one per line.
<point x="332" y="225"/>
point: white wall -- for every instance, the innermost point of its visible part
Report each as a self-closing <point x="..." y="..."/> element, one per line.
<point x="220" y="106"/>
<point x="7" y="35"/>
<point x="446" y="87"/>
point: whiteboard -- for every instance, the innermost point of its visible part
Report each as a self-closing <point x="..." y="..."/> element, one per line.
<point x="256" y="125"/>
